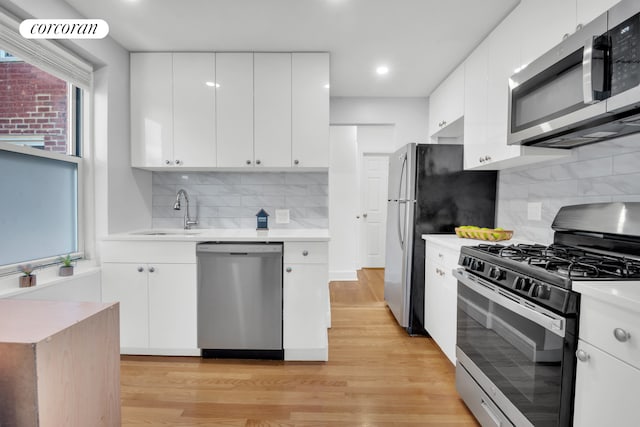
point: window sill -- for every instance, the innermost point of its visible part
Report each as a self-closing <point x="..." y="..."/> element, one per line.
<point x="9" y="286"/>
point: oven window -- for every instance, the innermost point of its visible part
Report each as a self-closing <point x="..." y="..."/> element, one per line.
<point x="520" y="357"/>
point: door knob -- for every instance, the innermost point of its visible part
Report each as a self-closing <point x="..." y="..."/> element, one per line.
<point x="582" y="355"/>
<point x="621" y="335"/>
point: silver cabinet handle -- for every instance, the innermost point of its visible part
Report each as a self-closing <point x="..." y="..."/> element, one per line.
<point x="248" y="162"/>
<point x="296" y="162"/>
<point x="140" y="269"/>
<point x="364" y="215"/>
<point x="288" y="270"/>
<point x="167" y="162"/>
<point x="582" y="355"/>
<point x="305" y="253"/>
<point x="440" y="255"/>
<point x="621" y="335"/>
<point x="151" y="269"/>
<point x="258" y="162"/>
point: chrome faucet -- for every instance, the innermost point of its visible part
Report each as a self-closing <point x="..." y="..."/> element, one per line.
<point x="188" y="222"/>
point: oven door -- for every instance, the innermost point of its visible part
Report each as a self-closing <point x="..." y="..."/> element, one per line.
<point x="561" y="89"/>
<point x="520" y="354"/>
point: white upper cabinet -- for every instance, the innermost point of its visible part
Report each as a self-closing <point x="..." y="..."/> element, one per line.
<point x="172" y="110"/>
<point x="486" y="110"/>
<point x="234" y="114"/>
<point x="194" y="105"/>
<point x="272" y="109"/>
<point x="446" y="106"/>
<point x="151" y="109"/>
<point x="545" y="23"/>
<point x="588" y="10"/>
<point x="230" y="110"/>
<point x="310" y="109"/>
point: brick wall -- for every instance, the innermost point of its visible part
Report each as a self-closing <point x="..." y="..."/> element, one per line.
<point x="33" y="103"/>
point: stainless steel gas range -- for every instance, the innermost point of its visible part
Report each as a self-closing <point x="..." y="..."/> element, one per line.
<point x="518" y="317"/>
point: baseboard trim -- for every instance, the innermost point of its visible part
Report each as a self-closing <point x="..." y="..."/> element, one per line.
<point x="343" y="276"/>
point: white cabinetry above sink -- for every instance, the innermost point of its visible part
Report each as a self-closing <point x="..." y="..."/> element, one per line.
<point x="200" y="111"/>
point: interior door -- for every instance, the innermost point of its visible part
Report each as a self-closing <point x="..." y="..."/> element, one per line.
<point x="375" y="174"/>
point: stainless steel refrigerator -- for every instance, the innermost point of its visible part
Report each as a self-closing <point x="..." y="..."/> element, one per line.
<point x="429" y="193"/>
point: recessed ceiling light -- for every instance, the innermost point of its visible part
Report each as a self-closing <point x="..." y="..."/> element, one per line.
<point x="382" y="70"/>
<point x="327" y="86"/>
<point x="212" y="84"/>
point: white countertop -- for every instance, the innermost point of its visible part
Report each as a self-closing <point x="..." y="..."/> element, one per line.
<point x="454" y="242"/>
<point x="220" y="234"/>
<point x="622" y="293"/>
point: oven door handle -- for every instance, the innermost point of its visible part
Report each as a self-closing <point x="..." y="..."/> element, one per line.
<point x="544" y="318"/>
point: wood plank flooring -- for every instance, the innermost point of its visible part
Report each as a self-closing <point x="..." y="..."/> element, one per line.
<point x="376" y="376"/>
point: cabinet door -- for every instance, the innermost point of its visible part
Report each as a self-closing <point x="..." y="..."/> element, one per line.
<point x="606" y="390"/>
<point x="124" y="282"/>
<point x="432" y="322"/>
<point x="446" y="106"/>
<point x="234" y="110"/>
<point x="546" y="22"/>
<point x="588" y="10"/>
<point x="475" y="105"/>
<point x="272" y="109"/>
<point x="172" y="306"/>
<point x="151" y="110"/>
<point x="304" y="306"/>
<point x="310" y="109"/>
<point x="194" y="101"/>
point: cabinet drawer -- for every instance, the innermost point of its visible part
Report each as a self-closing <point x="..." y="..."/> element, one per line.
<point x="598" y="323"/>
<point x="149" y="252"/>
<point x="448" y="258"/>
<point x="305" y="252"/>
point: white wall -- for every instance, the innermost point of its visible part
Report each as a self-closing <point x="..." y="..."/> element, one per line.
<point x="343" y="206"/>
<point x="122" y="195"/>
<point x="409" y="115"/>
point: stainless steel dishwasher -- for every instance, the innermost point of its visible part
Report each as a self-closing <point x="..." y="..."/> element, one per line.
<point x="240" y="300"/>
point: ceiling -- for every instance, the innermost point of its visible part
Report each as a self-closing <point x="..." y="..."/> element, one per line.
<point x="420" y="41"/>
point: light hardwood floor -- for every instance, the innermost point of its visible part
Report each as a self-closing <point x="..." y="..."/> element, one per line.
<point x="376" y="376"/>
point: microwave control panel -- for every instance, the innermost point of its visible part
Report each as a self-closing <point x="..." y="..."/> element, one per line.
<point x="625" y="55"/>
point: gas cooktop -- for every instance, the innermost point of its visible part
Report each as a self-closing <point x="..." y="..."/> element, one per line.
<point x="567" y="261"/>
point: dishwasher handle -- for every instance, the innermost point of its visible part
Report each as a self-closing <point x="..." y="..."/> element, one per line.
<point x="239" y="248"/>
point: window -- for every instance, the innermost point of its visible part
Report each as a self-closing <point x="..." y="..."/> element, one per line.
<point x="40" y="147"/>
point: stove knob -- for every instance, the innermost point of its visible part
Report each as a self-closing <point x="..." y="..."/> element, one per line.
<point x="479" y="266"/>
<point x="521" y="284"/>
<point x="541" y="292"/>
<point x="496" y="273"/>
<point x="465" y="261"/>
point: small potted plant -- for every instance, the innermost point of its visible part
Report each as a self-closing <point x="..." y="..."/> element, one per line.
<point x="28" y="279"/>
<point x="66" y="269"/>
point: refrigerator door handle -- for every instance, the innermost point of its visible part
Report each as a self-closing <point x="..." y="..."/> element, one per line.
<point x="401" y="200"/>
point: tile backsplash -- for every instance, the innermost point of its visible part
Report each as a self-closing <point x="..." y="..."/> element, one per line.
<point x="232" y="199"/>
<point x="601" y="172"/>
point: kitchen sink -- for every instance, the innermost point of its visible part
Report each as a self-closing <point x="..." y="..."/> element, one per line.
<point x="175" y="232"/>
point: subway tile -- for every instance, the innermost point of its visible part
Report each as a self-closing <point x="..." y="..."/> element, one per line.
<point x="167" y="223"/>
<point x="158" y="189"/>
<point x="219" y="223"/>
<point x="263" y="178"/>
<point x="610" y="185"/>
<point x="627" y="163"/>
<point x="318" y="190"/>
<point x="306" y="202"/>
<point x="626" y="198"/>
<point x="318" y="212"/>
<point x="553" y="189"/>
<point x="166" y="212"/>
<point x="263" y="200"/>
<point x="306" y="178"/>
<point x="219" y="200"/>
<point x="626" y="144"/>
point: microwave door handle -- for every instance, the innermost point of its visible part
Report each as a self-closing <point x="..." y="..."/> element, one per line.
<point x="587" y="71"/>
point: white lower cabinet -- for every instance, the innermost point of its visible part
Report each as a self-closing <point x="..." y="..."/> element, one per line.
<point x="306" y="298"/>
<point x="157" y="306"/>
<point x="440" y="298"/>
<point x="608" y="365"/>
<point x="606" y="390"/>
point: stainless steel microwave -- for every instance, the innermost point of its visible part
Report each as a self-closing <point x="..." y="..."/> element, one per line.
<point x="584" y="90"/>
